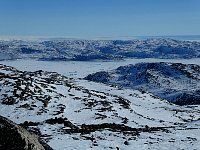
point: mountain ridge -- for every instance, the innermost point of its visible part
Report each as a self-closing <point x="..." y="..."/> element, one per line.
<point x="176" y="82"/>
<point x="85" y="50"/>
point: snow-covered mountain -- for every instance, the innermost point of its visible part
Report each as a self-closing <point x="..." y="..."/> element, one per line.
<point x="87" y="115"/>
<point x="125" y="108"/>
<point x="176" y="82"/>
<point x="62" y="49"/>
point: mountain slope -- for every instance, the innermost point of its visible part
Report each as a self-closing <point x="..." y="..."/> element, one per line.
<point x="93" y="116"/>
<point x="176" y="82"/>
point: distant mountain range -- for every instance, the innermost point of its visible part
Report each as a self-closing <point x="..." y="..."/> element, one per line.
<point x="85" y="50"/>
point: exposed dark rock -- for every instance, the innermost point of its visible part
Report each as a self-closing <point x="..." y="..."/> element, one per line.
<point x="14" y="137"/>
<point x="188" y="99"/>
<point x="126" y="143"/>
<point x="60" y="120"/>
<point x="86" y="129"/>
<point x="9" y="101"/>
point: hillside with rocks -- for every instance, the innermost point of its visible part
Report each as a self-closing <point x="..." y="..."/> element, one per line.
<point x="175" y="82"/>
<point x="85" y="115"/>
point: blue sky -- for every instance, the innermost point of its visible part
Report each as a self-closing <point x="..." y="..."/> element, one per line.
<point x="99" y="18"/>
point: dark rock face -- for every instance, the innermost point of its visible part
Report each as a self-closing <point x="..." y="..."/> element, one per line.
<point x="14" y="137"/>
<point x="101" y="76"/>
<point x="185" y="98"/>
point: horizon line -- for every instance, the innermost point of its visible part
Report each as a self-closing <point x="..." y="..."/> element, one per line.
<point x="124" y="37"/>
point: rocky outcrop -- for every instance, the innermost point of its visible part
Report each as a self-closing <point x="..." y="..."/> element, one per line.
<point x="14" y="137"/>
<point x="175" y="82"/>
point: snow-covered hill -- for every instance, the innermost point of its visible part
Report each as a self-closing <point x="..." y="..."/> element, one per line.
<point x="62" y="49"/>
<point x="88" y="115"/>
<point x="176" y="82"/>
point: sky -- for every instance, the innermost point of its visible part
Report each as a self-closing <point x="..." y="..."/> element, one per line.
<point x="99" y="18"/>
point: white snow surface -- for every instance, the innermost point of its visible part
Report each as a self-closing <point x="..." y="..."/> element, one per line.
<point x="80" y="69"/>
<point x="144" y="108"/>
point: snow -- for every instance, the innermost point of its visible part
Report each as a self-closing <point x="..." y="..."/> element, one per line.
<point x="87" y="50"/>
<point x="166" y="80"/>
<point x="80" y="69"/>
<point x="144" y="108"/>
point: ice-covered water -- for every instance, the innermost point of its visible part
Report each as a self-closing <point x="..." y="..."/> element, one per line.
<point x="79" y="69"/>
